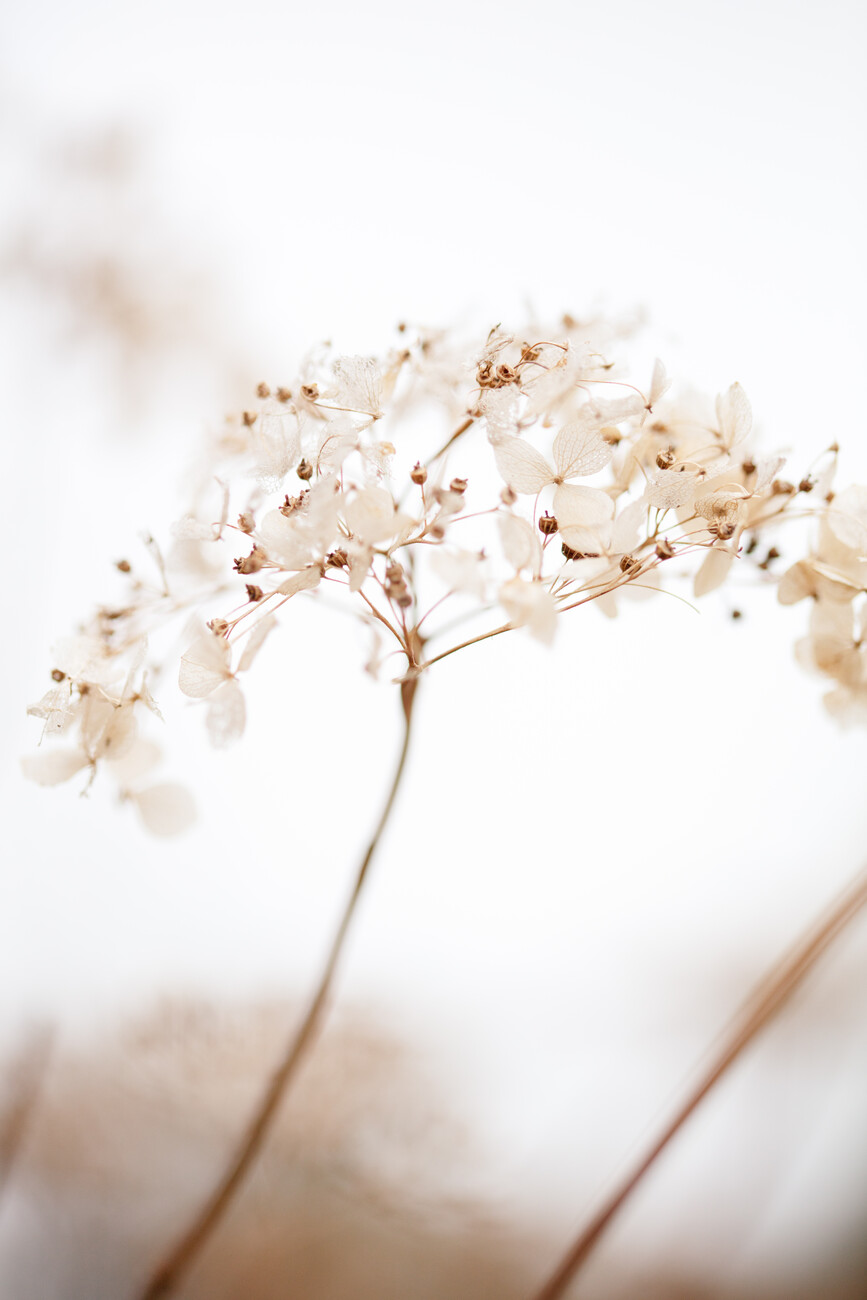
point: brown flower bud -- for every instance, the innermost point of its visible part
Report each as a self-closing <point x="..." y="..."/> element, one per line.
<point x="664" y="549"/>
<point x="337" y="559"/>
<point x="629" y="564"/>
<point x="458" y="485"/>
<point x="262" y="390"/>
<point x="123" y="566"/>
<point x="506" y="374"/>
<point x="304" y="470"/>
<point x="570" y="553"/>
<point x="246" y="522"/>
<point x="57" y="675"/>
<point x="782" y="488"/>
<point x="548" y="524"/>
<point x="749" y="467"/>
<point x="665" y="459"/>
<point x="249" y="417"/>
<point x="418" y="474"/>
<point x="284" y="394"/>
<point x="806" y="484"/>
<point x="310" y="392"/>
<point x="508" y="496"/>
<point x="218" y="626"/>
<point x="254" y="593"/>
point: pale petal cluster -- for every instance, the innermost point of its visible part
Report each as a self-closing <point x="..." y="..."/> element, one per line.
<point x="495" y="486"/>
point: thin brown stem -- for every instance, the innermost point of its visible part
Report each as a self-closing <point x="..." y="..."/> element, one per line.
<point x="766" y="1000"/>
<point x="184" y="1254"/>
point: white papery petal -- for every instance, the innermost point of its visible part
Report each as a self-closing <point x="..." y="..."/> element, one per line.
<point x="464" y="571"/>
<point x="358" y="384"/>
<point x="141" y="758"/>
<point x="670" y="488"/>
<point x="256" y="640"/>
<point x="85" y="658"/>
<point x="276" y="444"/>
<point x="530" y="605"/>
<point x="500" y="407"/>
<point x="713" y="571"/>
<point x="190" y="529"/>
<point x="659" y="383"/>
<point x="629" y="527"/>
<point x="616" y="409"/>
<point x="587" y="507"/>
<point x="522" y="466"/>
<point x="166" y="809"/>
<point x="54" y="766"/>
<point x="579" y="450"/>
<point x="306" y="580"/>
<point x="521" y="545"/>
<point x="118" y="734"/>
<point x="285" y="539"/>
<point x="227" y="715"/>
<point x="734" y="416"/>
<point x="205" y="666"/>
<point x="847" y="518"/>
<point x="372" y="515"/>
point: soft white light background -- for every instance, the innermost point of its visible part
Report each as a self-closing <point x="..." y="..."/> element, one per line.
<point x="598" y="850"/>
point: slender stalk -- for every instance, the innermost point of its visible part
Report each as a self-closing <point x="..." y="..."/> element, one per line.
<point x="183" y="1255"/>
<point x="767" y="998"/>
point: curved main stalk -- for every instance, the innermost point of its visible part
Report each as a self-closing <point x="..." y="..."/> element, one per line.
<point x="184" y="1254"/>
<point x="763" y="1004"/>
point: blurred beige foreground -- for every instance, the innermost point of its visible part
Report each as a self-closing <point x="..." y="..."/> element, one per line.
<point x="353" y="1199"/>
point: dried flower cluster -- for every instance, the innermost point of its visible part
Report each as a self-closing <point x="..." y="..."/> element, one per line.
<point x="506" y="483"/>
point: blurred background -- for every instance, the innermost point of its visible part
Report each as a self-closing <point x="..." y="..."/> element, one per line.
<point x="601" y="848"/>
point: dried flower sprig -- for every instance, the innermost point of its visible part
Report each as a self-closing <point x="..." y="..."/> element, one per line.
<point x="557" y="482"/>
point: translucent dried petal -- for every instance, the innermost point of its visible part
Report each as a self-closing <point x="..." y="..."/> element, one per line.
<point x="521" y="544"/>
<point x="670" y="488"/>
<point x="522" y="466"/>
<point x="255" y="641"/>
<point x="530" y="605"/>
<point x="580" y="450"/>
<point x="306" y="580"/>
<point x="205" y="666"/>
<point x="54" y="766"/>
<point x="713" y="571"/>
<point x="276" y="443"/>
<point x="166" y="809"/>
<point x="358" y="384"/>
<point x="847" y="518"/>
<point x="584" y="515"/>
<point x="372" y="515"/>
<point x="734" y="416"/>
<point x="465" y="571"/>
<point x="659" y="383"/>
<point x="227" y="715"/>
<point x="86" y="659"/>
<point x="500" y="407"/>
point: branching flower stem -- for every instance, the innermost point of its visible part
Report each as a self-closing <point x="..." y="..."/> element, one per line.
<point x="767" y="999"/>
<point x="184" y="1254"/>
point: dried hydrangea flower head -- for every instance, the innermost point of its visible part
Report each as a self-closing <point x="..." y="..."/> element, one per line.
<point x="564" y="483"/>
<point x="545" y="480"/>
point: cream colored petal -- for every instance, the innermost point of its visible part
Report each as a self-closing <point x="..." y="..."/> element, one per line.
<point x="523" y="467"/>
<point x="165" y="809"/>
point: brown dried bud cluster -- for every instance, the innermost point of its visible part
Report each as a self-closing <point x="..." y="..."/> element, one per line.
<point x="418" y="474"/>
<point x="262" y="390"/>
<point x="665" y="459"/>
<point x="547" y="524"/>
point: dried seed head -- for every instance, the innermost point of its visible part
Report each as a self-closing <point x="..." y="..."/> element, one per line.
<point x="723" y="530"/>
<point x="251" y="563"/>
<point x="418" y="474"/>
<point x="291" y="504"/>
<point x="337" y="560"/>
<point x="403" y="598"/>
<point x="508" y="496"/>
<point x="782" y="488"/>
<point x="736" y="614"/>
<point x="548" y="524"/>
<point x="437" y="532"/>
<point x="629" y="564"/>
<point x="664" y="549"/>
<point x="506" y="374"/>
<point x="611" y="435"/>
<point x="284" y="394"/>
<point x="394" y="572"/>
<point x="570" y="553"/>
<point x="249" y="417"/>
<point x="666" y="458"/>
<point x="123" y="566"/>
<point x="806" y="484"/>
<point x="310" y="392"/>
<point x="218" y="626"/>
<point x="254" y="593"/>
<point x="304" y="470"/>
<point x="246" y="522"/>
<point x="749" y="467"/>
<point x="458" y="485"/>
<point x="57" y="675"/>
<point x="262" y="390"/>
<point x="751" y="545"/>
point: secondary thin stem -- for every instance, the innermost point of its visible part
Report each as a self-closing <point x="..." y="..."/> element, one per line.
<point x="184" y="1254"/>
<point x="768" y="997"/>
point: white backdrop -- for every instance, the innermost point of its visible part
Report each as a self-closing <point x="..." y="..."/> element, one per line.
<point x="601" y="848"/>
